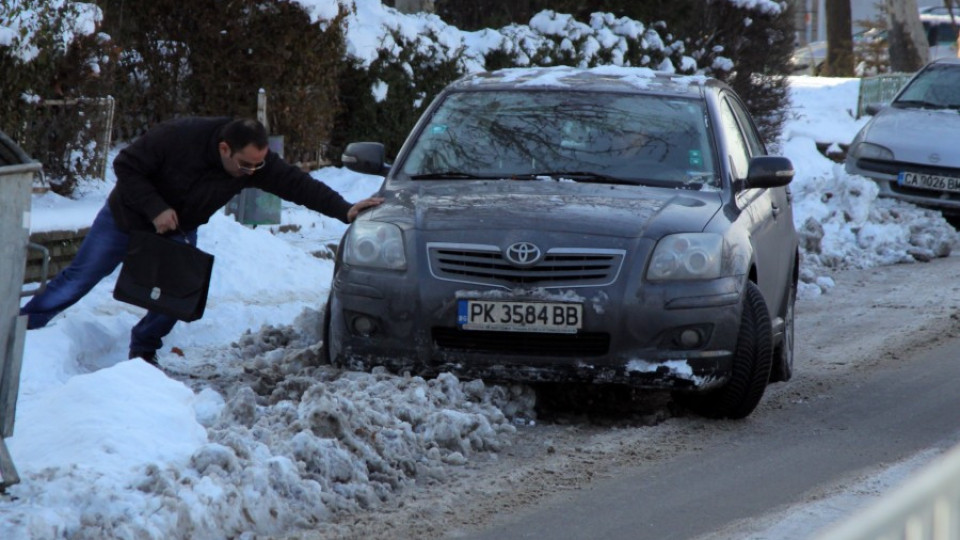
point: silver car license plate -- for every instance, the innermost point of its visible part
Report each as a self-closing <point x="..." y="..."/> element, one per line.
<point x="555" y="317"/>
<point x="929" y="181"/>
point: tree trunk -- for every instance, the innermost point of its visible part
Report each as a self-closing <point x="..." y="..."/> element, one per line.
<point x="909" y="48"/>
<point x="839" y="61"/>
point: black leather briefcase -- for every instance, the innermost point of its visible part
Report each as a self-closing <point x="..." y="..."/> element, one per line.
<point x="165" y="276"/>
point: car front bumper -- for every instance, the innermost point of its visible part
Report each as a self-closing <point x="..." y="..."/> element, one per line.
<point x="630" y="335"/>
<point x="885" y="175"/>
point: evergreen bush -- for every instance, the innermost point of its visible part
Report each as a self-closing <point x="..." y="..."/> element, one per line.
<point x="382" y="101"/>
<point x="757" y="43"/>
<point x="747" y="45"/>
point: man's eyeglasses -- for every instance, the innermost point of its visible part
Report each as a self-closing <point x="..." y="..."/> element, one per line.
<point x="247" y="167"/>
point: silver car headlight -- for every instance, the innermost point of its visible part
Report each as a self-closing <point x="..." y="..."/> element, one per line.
<point x="686" y="256"/>
<point x="867" y="150"/>
<point x="375" y="245"/>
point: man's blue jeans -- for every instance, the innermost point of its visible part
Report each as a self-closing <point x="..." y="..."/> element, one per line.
<point x="100" y="253"/>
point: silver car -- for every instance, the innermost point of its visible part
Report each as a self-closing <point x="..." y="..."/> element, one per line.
<point x="606" y="225"/>
<point x="909" y="147"/>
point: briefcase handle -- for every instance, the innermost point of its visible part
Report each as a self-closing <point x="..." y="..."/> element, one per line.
<point x="186" y="239"/>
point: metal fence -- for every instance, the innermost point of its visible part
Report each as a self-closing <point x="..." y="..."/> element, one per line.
<point x="926" y="507"/>
<point x="879" y="89"/>
<point x="72" y="124"/>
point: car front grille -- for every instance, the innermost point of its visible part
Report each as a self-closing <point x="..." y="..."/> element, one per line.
<point x="896" y="167"/>
<point x="584" y="344"/>
<point x="917" y="192"/>
<point x="486" y="265"/>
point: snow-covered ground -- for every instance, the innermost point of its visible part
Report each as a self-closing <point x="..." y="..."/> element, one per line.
<point x="243" y="434"/>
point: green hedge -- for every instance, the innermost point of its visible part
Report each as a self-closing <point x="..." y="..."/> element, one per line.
<point x="212" y="57"/>
<point x="42" y="89"/>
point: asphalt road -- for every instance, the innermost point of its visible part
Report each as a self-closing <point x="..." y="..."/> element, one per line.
<point x="901" y="401"/>
<point x="874" y="397"/>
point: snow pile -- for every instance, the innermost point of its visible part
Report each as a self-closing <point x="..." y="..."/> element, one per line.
<point x="287" y="444"/>
<point x="768" y="7"/>
<point x="295" y="443"/>
<point x="372" y="27"/>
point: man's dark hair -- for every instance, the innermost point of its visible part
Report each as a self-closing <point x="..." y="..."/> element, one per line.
<point x="242" y="132"/>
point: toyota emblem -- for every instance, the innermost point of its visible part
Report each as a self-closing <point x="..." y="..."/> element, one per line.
<point x="523" y="254"/>
<point x="934" y="158"/>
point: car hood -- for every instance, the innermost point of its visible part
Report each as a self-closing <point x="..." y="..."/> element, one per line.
<point x="599" y="209"/>
<point x="922" y="136"/>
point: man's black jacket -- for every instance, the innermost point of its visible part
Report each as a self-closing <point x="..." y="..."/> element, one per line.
<point x="177" y="165"/>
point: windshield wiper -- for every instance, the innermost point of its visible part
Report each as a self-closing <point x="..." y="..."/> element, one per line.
<point x="578" y="176"/>
<point x="448" y="175"/>
<point x="919" y="103"/>
<point x="697" y="180"/>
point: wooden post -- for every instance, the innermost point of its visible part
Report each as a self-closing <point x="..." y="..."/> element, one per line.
<point x="262" y="108"/>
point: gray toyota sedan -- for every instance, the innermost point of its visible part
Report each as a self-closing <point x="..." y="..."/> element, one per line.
<point x="605" y="225"/>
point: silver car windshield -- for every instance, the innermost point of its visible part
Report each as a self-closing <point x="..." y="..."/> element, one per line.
<point x="936" y="87"/>
<point x="576" y="136"/>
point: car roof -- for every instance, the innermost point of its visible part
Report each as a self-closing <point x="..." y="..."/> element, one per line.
<point x="946" y="60"/>
<point x="938" y="17"/>
<point x="597" y="79"/>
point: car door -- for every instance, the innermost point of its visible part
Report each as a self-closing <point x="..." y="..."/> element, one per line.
<point x="763" y="211"/>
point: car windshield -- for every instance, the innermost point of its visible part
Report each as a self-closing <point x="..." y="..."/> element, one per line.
<point x="612" y="138"/>
<point x="936" y="87"/>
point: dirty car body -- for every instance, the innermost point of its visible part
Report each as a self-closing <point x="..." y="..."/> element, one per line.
<point x="907" y="148"/>
<point x="595" y="225"/>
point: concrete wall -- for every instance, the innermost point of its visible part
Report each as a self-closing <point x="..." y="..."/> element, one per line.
<point x="62" y="245"/>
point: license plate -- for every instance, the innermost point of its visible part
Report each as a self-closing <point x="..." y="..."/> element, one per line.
<point x="929" y="181"/>
<point x="552" y="317"/>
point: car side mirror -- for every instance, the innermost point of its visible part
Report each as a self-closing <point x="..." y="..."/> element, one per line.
<point x="873" y="108"/>
<point x="365" y="157"/>
<point x="769" y="172"/>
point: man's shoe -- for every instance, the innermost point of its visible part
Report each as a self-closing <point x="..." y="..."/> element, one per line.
<point x="148" y="357"/>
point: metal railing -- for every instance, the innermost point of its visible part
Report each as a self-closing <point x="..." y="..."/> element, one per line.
<point x="926" y="507"/>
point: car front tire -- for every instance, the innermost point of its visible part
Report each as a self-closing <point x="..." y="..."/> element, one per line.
<point x="751" y="364"/>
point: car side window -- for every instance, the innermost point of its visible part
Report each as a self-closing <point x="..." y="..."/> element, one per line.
<point x="737" y="150"/>
<point x="754" y="143"/>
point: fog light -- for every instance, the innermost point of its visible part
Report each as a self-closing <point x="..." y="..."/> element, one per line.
<point x="364" y="326"/>
<point x="691" y="338"/>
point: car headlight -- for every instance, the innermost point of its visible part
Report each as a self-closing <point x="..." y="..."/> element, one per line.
<point x="867" y="150"/>
<point x="686" y="256"/>
<point x="374" y="244"/>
